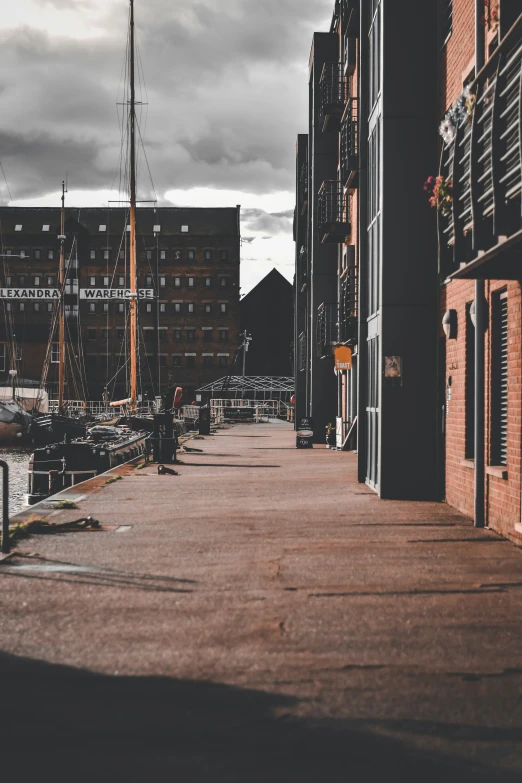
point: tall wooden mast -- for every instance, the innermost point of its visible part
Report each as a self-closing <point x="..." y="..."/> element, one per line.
<point x="61" y="334"/>
<point x="133" y="302"/>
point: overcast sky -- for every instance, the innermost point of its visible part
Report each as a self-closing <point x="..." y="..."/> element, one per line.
<point x="226" y="89"/>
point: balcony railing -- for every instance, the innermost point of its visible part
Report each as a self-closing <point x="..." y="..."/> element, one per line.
<point x="333" y="93"/>
<point x="350" y="146"/>
<point x="327" y="329"/>
<point x="303" y="189"/>
<point x="301" y="352"/>
<point x="348" y="306"/>
<point x="350" y="16"/>
<point x="350" y="54"/>
<point x="302" y="268"/>
<point x="333" y="212"/>
<point x="481" y="236"/>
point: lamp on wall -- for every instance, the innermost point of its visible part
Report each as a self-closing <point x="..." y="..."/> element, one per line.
<point x="449" y="324"/>
<point x="472" y="311"/>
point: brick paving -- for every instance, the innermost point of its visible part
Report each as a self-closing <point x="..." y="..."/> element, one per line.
<point x="262" y="617"/>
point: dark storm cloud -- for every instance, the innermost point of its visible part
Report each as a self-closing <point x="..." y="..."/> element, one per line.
<point x="258" y="220"/>
<point x="226" y="83"/>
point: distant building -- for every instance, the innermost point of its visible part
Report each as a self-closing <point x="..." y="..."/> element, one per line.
<point x="188" y="261"/>
<point x="267" y="315"/>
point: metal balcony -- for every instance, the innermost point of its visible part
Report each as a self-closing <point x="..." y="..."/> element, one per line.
<point x="350" y="55"/>
<point x="302" y="269"/>
<point x="348" y="306"/>
<point x="333" y="93"/>
<point x="327" y="329"/>
<point x="301" y="352"/>
<point x="350" y="146"/>
<point x="481" y="237"/>
<point x="350" y="16"/>
<point x="333" y="212"/>
<point x="303" y="189"/>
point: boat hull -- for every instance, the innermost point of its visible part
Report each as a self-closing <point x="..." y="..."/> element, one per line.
<point x="63" y="465"/>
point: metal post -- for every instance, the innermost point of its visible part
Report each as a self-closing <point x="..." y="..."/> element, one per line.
<point x="6" y="543"/>
<point x="480" y="326"/>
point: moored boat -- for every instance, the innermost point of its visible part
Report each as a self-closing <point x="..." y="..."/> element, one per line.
<point x="61" y="465"/>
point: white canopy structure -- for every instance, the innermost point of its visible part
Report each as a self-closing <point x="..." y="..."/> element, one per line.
<point x="256" y="387"/>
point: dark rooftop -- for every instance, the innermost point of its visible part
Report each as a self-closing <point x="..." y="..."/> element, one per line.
<point x="172" y="221"/>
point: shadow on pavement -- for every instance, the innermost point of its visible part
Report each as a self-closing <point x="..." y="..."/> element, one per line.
<point x="63" y="724"/>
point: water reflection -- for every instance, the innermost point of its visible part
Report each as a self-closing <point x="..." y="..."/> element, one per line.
<point x="17" y="457"/>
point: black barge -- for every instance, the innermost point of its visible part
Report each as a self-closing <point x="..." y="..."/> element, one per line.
<point x="61" y="465"/>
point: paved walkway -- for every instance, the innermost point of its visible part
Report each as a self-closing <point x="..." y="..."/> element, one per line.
<point x="265" y="618"/>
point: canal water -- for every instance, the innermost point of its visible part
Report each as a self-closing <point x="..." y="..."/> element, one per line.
<point x="17" y="457"/>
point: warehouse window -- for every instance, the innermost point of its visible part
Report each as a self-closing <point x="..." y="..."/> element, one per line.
<point x="2" y="357"/>
<point x="50" y="307"/>
<point x="148" y="307"/>
<point x="177" y="307"/>
<point x="184" y="229"/>
<point x="163" y="307"/>
<point x="92" y="281"/>
<point x="207" y="360"/>
<point x="55" y="353"/>
<point x="177" y="282"/>
<point x="469" y="391"/>
<point x="37" y="255"/>
<point x="92" y="307"/>
<point x="50" y="255"/>
<point x="176" y="361"/>
<point x="191" y="282"/>
<point x="93" y="255"/>
<point x="190" y="307"/>
<point x="208" y="255"/>
<point x="499" y="378"/>
<point x="148" y="281"/>
<point x="163" y="281"/>
<point x="162" y="255"/>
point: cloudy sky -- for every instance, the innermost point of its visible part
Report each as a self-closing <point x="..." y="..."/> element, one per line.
<point x="226" y="87"/>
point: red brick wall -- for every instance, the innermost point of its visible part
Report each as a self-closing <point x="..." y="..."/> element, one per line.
<point x="502" y="497"/>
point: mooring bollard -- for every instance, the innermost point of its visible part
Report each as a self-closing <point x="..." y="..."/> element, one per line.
<point x="6" y="544"/>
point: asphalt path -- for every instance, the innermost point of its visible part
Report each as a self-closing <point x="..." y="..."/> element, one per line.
<point x="260" y="617"/>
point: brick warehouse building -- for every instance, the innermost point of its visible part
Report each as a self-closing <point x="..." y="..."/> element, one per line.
<point x="188" y="259"/>
<point x="457" y="395"/>
<point x="481" y="261"/>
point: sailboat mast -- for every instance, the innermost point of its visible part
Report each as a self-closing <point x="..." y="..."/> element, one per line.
<point x="133" y="301"/>
<point x="61" y="334"/>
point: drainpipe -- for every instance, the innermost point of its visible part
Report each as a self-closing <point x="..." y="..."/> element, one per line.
<point x="480" y="325"/>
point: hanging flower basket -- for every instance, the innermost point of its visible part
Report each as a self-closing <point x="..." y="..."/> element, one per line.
<point x="440" y="192"/>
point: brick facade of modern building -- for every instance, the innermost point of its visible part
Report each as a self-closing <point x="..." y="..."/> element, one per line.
<point x="502" y="389"/>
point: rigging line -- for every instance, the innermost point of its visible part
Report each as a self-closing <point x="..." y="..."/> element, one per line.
<point x="147" y="162"/>
<point x="6" y="183"/>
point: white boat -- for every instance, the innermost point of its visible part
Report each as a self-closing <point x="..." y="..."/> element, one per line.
<point x="15" y="421"/>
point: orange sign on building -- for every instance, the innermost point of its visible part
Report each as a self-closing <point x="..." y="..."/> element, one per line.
<point x="343" y="357"/>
